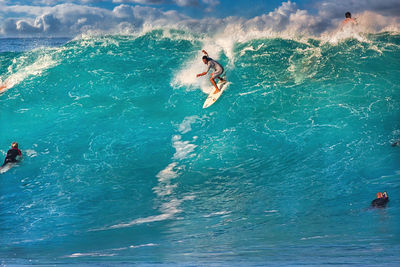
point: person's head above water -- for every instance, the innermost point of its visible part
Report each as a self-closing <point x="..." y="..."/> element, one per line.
<point x="379" y="195"/>
<point x="347" y="15"/>
<point x="205" y="59"/>
<point x="14" y="145"/>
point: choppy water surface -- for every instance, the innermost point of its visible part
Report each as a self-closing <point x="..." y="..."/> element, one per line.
<point x="122" y="164"/>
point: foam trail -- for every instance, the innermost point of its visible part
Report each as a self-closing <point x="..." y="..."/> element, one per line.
<point x="185" y="126"/>
<point x="106" y="253"/>
<point x="164" y="189"/>
<point x="183" y="148"/>
<point x="95" y="254"/>
<point x="17" y="72"/>
<point x="30" y="153"/>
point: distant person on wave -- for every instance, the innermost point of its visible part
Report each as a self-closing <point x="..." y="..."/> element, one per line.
<point x="380" y="201"/>
<point x="218" y="70"/>
<point x="348" y="19"/>
<point x="3" y="86"/>
<point x="12" y="154"/>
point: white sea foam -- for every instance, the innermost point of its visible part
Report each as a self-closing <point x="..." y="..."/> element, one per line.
<point x="164" y="189"/>
<point x="75" y="97"/>
<point x="184" y="149"/>
<point x="249" y="93"/>
<point x="144" y="245"/>
<point x="185" y="126"/>
<point x="218" y="213"/>
<point x="250" y="48"/>
<point x="168" y="173"/>
<point x="20" y="71"/>
<point x="149" y="219"/>
<point x="107" y="253"/>
<point x="169" y="209"/>
<point x="30" y="153"/>
<point x="315" y="237"/>
<point x="186" y="75"/>
<point x="343" y="32"/>
<point x="94" y="254"/>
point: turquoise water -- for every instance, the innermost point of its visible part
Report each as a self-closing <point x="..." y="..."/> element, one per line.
<point x="121" y="163"/>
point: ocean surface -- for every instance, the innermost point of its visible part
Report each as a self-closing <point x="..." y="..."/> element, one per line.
<point x="122" y="165"/>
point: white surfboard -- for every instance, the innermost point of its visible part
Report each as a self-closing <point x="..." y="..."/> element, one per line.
<point x="212" y="98"/>
<point x="6" y="167"/>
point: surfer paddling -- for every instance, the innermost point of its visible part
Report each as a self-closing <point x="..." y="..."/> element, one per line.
<point x="218" y="70"/>
<point x="380" y="201"/>
<point x="12" y="154"/>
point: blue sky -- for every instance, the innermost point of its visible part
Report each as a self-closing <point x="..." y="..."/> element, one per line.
<point x="73" y="17"/>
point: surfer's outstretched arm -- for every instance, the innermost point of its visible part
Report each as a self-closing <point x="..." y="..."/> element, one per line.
<point x="201" y="74"/>
<point x="205" y="61"/>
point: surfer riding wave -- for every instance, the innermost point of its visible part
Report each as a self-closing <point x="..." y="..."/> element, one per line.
<point x="218" y="70"/>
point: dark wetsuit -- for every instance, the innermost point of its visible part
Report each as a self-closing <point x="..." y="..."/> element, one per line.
<point x="12" y="155"/>
<point x="380" y="202"/>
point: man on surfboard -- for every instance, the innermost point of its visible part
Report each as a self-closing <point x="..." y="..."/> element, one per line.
<point x="12" y="154"/>
<point x="218" y="70"/>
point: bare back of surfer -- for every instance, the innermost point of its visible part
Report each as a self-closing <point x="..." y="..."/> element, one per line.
<point x="218" y="70"/>
<point x="348" y="20"/>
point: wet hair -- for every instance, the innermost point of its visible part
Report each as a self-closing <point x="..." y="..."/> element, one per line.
<point x="14" y="145"/>
<point x="205" y="57"/>
<point x="347" y="15"/>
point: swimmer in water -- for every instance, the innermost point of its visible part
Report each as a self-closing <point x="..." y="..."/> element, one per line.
<point x="218" y="70"/>
<point x="348" y="19"/>
<point x="12" y="154"/>
<point x="380" y="201"/>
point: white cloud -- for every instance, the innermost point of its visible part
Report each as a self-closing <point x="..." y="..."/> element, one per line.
<point x="187" y="2"/>
<point x="210" y="4"/>
<point x="286" y="18"/>
<point x="181" y="3"/>
<point x="72" y="19"/>
<point x="144" y="2"/>
<point x="337" y="8"/>
<point x="57" y="2"/>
